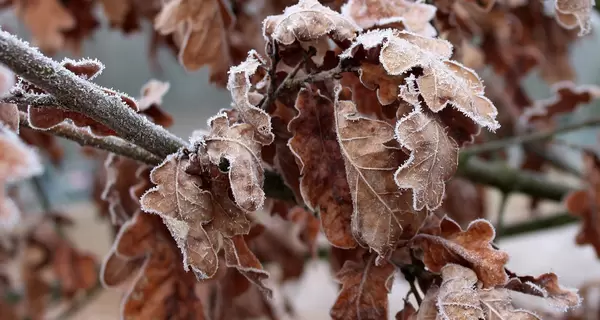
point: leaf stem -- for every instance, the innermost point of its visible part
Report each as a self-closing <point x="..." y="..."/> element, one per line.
<point x="79" y="95"/>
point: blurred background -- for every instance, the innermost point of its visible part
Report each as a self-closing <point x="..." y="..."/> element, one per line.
<point x="191" y="100"/>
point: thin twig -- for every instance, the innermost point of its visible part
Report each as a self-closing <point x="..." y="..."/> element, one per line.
<point x="507" y="179"/>
<point x="537" y="136"/>
<point x="41" y="194"/>
<point x="541" y="224"/>
<point x="85" y="138"/>
<point x="79" y="95"/>
<point x="81" y="303"/>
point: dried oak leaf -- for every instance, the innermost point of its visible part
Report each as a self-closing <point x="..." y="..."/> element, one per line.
<point x="462" y="193"/>
<point x="46" y="19"/>
<point x="76" y="271"/>
<point x="365" y="288"/>
<point x="545" y="286"/>
<point x="414" y="16"/>
<point x="471" y="248"/>
<point x="161" y="289"/>
<point x="239" y="84"/>
<point x="235" y="143"/>
<point x="239" y="256"/>
<point x="199" y="29"/>
<point x="382" y="214"/>
<point x="443" y="82"/>
<point x="323" y="183"/>
<point x="151" y="100"/>
<point x="17" y="160"/>
<point x="567" y="97"/>
<point x="116" y="11"/>
<point x="184" y="205"/>
<point x="433" y="159"/>
<point x="85" y="24"/>
<point x="306" y="21"/>
<point x="121" y="176"/>
<point x="575" y="13"/>
<point x="584" y="204"/>
<point x="460" y="296"/>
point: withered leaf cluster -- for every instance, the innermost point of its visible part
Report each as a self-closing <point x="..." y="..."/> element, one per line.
<point x="360" y="108"/>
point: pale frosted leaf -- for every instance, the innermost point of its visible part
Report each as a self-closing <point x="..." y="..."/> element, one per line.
<point x="308" y="21"/>
<point x="575" y="13"/>
<point x="184" y="206"/>
<point x="415" y="16"/>
<point x="443" y="82"/>
<point x="365" y="288"/>
<point x="457" y="297"/>
<point x="383" y="214"/>
<point x="235" y="143"/>
<point x="433" y="159"/>
<point x="449" y="82"/>
<point x="497" y="305"/>
<point x="239" y="84"/>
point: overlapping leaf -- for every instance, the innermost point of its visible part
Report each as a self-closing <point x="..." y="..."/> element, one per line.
<point x="471" y="248"/>
<point x="433" y="159"/>
<point x="547" y="287"/>
<point x="236" y="144"/>
<point x="199" y="29"/>
<point x="414" y="16"/>
<point x="443" y="82"/>
<point x="575" y="13"/>
<point x="323" y="183"/>
<point x="382" y="213"/>
<point x="365" y="286"/>
<point x="460" y="296"/>
<point x="308" y="21"/>
<point x="239" y="84"/>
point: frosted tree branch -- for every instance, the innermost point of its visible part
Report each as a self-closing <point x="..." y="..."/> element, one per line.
<point x="84" y="138"/>
<point x="79" y="95"/>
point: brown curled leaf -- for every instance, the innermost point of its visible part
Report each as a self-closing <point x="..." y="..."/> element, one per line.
<point x="365" y="288"/>
<point x="547" y="287"/>
<point x="584" y="204"/>
<point x="471" y="248"/>
<point x="239" y="256"/>
<point x="308" y="20"/>
<point x="75" y="270"/>
<point x="415" y="16"/>
<point x="323" y="183"/>
<point x="199" y="30"/>
<point x="567" y="97"/>
<point x="433" y="159"/>
<point x="46" y="20"/>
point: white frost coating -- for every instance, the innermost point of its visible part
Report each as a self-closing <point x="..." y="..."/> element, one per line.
<point x="296" y="21"/>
